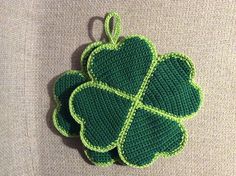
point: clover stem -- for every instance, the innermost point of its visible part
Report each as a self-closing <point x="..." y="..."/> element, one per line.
<point x="114" y="35"/>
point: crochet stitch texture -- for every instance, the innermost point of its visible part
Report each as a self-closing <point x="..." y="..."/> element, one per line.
<point x="131" y="100"/>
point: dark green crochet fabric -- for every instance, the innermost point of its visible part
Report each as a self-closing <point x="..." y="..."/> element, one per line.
<point x="63" y="88"/>
<point x="135" y="101"/>
<point x="63" y="121"/>
<point x="86" y="53"/>
<point x="94" y="104"/>
<point x="170" y="83"/>
<point x="102" y="159"/>
<point x="131" y="102"/>
<point x="150" y="134"/>
<point x="127" y="66"/>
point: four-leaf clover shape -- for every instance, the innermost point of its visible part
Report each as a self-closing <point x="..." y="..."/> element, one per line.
<point x="136" y="101"/>
<point x="129" y="103"/>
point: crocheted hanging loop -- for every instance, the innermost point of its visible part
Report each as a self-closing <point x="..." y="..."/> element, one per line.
<point x="113" y="36"/>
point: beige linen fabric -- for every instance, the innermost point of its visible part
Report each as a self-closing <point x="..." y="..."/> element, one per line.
<point x="39" y="39"/>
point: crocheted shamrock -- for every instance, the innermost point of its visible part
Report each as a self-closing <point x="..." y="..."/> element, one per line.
<point x="136" y="100"/>
<point x="63" y="121"/>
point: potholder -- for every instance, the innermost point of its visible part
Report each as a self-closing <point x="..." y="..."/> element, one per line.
<point x="135" y="101"/>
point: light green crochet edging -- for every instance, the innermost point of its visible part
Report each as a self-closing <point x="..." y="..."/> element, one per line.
<point x="81" y="121"/>
<point x="99" y="163"/>
<point x="56" y="111"/>
<point x="136" y="101"/>
<point x="161" y="112"/>
<point x="58" y="106"/>
<point x="113" y="38"/>
<point x="115" y="47"/>
<point x="86" y="53"/>
<point x="185" y="58"/>
<point x="157" y="155"/>
<point x="139" y="104"/>
<point x="94" y="82"/>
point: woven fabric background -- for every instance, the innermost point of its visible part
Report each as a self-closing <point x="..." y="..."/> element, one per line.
<point x="40" y="39"/>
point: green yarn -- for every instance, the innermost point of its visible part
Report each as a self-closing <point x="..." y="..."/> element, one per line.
<point x="62" y="118"/>
<point x="123" y="82"/>
<point x="90" y="101"/>
<point x="131" y="103"/>
<point x="63" y="88"/>
<point x="113" y="38"/>
<point x="119" y="60"/>
<point x="86" y="53"/>
<point x="149" y="135"/>
<point x="102" y="159"/>
<point x="171" y="83"/>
